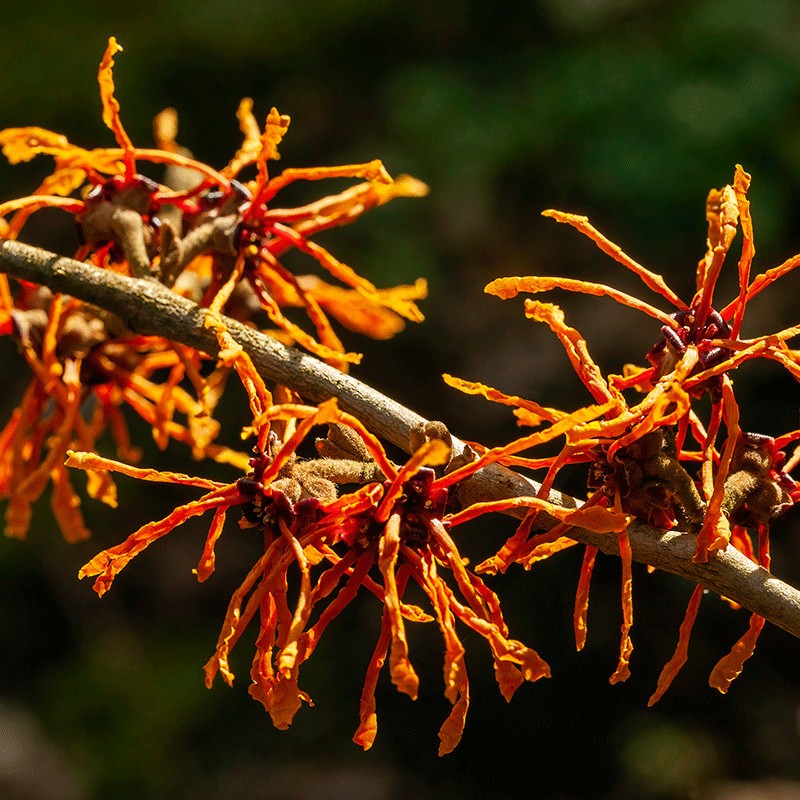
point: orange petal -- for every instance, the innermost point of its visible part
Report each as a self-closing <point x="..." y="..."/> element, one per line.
<point x="453" y="727"/>
<point x="345" y="207"/>
<point x="371" y="170"/>
<point x="368" y="719"/>
<point x="208" y="559"/>
<point x="91" y="462"/>
<point x="37" y="201"/>
<point x="674" y="665"/>
<point x="488" y="622"/>
<point x="107" y="565"/>
<point x="506" y="288"/>
<point x="248" y="152"/>
<point x="539" y="551"/>
<point x="563" y="426"/>
<point x="426" y="574"/>
<point x="402" y="673"/>
<point x="496" y="396"/>
<point x="729" y="667"/>
<point x="576" y="349"/>
<point x="346" y="274"/>
<point x="357" y="312"/>
<point x="722" y="213"/>
<point x="284" y="700"/>
<point x="274" y="130"/>
<point x="715" y="533"/>
<point x="237" y="620"/>
<point x="582" y="596"/>
<point x="105" y="77"/>
<point x="762" y="281"/>
<point x="509" y="678"/>
<point x="622" y="672"/>
<point x="24" y="144"/>
<point x="326" y="583"/>
<point x="741" y="183"/>
<point x="592" y="517"/>
<point x="100" y="486"/>
<point x="650" y="279"/>
<point x="286" y="659"/>
<point x="330" y="351"/>
<point x="66" y="507"/>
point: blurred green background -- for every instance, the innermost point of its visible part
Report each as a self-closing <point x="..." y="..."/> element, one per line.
<point x="625" y="110"/>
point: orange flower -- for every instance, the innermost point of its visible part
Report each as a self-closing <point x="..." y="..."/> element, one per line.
<point x="699" y="346"/>
<point x="595" y="514"/>
<point x="119" y="215"/>
<point x="247" y="237"/>
<point x="379" y="536"/>
<point x="600" y="435"/>
<point x="715" y="334"/>
<point x="82" y="374"/>
<point x="128" y="222"/>
<point x="637" y="454"/>
<point x="637" y="469"/>
<point x="397" y="529"/>
<point x="74" y="166"/>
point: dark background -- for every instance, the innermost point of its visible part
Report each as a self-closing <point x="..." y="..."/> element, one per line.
<point x="625" y="110"/>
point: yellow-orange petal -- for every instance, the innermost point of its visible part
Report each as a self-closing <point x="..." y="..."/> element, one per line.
<point x="100" y="486"/>
<point x="496" y="396"/>
<point x="274" y="130"/>
<point x="650" y="279"/>
<point x="505" y="288"/>
<point x="250" y="147"/>
<point x="346" y="274"/>
<point x="105" y="77"/>
<point x="91" y="462"/>
<point x="722" y="213"/>
<point x="370" y="170"/>
<point x="24" y="144"/>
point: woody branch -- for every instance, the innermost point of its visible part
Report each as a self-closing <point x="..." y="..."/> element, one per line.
<point x="148" y="307"/>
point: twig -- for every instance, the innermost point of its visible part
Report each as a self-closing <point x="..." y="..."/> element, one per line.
<point x="148" y="307"/>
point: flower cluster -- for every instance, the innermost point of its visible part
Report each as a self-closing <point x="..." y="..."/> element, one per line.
<point x="391" y="529"/>
<point x="657" y="459"/>
<point x="208" y="234"/>
<point x="341" y="519"/>
<point x="348" y="518"/>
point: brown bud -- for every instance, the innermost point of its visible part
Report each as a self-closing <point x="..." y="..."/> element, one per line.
<point x="342" y="442"/>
